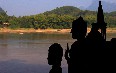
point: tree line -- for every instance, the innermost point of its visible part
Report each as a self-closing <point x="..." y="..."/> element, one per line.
<point x="59" y="18"/>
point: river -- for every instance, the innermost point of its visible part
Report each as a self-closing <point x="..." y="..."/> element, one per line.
<point x="27" y="53"/>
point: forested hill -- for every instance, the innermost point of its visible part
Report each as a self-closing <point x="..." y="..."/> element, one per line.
<point x="65" y="10"/>
<point x="60" y="17"/>
<point x="69" y="10"/>
<point x="74" y="11"/>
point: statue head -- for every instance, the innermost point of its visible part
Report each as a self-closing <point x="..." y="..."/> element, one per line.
<point x="55" y="54"/>
<point x="79" y="28"/>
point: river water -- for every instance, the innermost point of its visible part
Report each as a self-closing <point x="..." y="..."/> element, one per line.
<point x="27" y="53"/>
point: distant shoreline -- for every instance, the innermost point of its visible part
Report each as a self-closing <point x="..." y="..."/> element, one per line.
<point x="31" y="30"/>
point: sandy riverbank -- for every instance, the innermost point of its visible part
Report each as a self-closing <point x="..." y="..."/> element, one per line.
<point x="31" y="30"/>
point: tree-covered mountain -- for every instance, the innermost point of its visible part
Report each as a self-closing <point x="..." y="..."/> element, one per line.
<point x="65" y="10"/>
<point x="69" y="10"/>
<point x="61" y="17"/>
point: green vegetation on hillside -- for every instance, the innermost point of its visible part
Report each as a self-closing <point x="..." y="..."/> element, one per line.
<point x="58" y="18"/>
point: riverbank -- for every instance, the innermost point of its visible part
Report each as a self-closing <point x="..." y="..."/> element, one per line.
<point x="31" y="30"/>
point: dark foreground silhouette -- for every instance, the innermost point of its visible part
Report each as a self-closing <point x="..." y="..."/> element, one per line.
<point x="55" y="57"/>
<point x="91" y="52"/>
<point x="76" y="56"/>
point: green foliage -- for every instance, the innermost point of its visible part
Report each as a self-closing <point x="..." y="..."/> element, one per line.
<point x="65" y="10"/>
<point x="59" y="18"/>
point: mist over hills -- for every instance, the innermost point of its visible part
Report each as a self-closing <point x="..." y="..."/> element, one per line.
<point x="107" y="6"/>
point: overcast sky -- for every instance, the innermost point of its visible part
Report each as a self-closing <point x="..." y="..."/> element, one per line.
<point x="31" y="7"/>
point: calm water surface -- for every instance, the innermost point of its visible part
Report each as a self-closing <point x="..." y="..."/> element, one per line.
<point x="27" y="53"/>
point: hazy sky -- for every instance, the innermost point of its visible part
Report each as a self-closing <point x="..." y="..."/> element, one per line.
<point x="30" y="7"/>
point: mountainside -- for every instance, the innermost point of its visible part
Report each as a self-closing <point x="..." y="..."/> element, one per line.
<point x="59" y="18"/>
<point x="69" y="10"/>
<point x="64" y="10"/>
<point x="1" y="10"/>
<point x="107" y="6"/>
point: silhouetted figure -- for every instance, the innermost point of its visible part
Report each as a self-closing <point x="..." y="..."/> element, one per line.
<point x="55" y="54"/>
<point x="96" y="42"/>
<point x="94" y="35"/>
<point x="93" y="53"/>
<point x="95" y="45"/>
<point x="76" y="59"/>
<point x="100" y="20"/>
